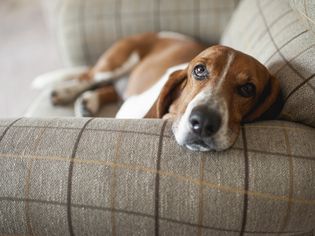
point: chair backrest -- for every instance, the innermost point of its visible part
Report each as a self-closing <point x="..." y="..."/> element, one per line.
<point x="87" y="27"/>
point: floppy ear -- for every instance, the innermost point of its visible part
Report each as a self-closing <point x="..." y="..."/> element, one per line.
<point x="269" y="103"/>
<point x="168" y="94"/>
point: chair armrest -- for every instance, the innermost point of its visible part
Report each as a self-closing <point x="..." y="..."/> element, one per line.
<point x="96" y="176"/>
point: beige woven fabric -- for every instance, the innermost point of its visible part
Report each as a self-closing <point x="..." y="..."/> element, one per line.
<point x="306" y="10"/>
<point x="273" y="32"/>
<point x="129" y="177"/>
<point x="87" y="27"/>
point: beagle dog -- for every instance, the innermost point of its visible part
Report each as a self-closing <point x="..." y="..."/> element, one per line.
<point x="207" y="92"/>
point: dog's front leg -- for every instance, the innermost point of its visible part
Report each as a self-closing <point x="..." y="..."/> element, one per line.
<point x="67" y="91"/>
<point x="90" y="102"/>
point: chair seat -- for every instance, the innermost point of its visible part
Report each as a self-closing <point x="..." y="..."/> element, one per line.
<point x="42" y="108"/>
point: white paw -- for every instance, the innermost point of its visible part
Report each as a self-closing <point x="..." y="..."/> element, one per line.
<point x="87" y="105"/>
<point x="67" y="91"/>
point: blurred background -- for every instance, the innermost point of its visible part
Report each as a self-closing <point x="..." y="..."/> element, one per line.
<point x="29" y="45"/>
<point x="27" y="48"/>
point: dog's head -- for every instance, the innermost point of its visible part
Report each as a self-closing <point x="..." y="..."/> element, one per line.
<point x="208" y="101"/>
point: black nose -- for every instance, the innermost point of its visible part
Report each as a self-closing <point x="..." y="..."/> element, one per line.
<point x="204" y="121"/>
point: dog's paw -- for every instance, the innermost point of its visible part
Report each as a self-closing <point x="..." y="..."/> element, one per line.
<point x="87" y="105"/>
<point x="67" y="91"/>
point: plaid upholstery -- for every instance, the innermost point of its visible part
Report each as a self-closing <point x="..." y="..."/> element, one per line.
<point x="81" y="177"/>
<point x="274" y="33"/>
<point x="87" y="27"/>
<point x="306" y="10"/>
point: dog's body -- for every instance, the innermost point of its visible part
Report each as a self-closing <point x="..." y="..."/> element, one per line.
<point x="142" y="58"/>
<point x="207" y="98"/>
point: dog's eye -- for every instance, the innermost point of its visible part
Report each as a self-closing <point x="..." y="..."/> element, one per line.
<point x="247" y="90"/>
<point x="200" y="72"/>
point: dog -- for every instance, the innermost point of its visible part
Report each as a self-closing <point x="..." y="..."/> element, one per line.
<point x="207" y="92"/>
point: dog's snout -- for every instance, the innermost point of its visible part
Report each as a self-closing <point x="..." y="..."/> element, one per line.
<point x="204" y="121"/>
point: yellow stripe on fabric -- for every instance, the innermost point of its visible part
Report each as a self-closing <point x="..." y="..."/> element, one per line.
<point x="196" y="181"/>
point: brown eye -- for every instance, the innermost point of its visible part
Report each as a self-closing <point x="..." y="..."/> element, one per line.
<point x="200" y="72"/>
<point x="247" y="90"/>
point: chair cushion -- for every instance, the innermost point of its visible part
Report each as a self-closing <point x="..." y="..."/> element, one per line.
<point x="42" y="107"/>
<point x="275" y="34"/>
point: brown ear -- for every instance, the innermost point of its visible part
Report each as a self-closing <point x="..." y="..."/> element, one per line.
<point x="269" y="103"/>
<point x="167" y="95"/>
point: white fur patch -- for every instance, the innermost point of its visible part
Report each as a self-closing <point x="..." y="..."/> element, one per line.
<point x="121" y="86"/>
<point x="174" y="35"/>
<point x="87" y="104"/>
<point x="225" y="70"/>
<point x="136" y="107"/>
<point x="52" y="78"/>
<point x="125" y="68"/>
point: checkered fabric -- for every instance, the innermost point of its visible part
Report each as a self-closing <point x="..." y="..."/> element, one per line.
<point x="306" y="10"/>
<point x="129" y="177"/>
<point x="86" y="28"/>
<point x="274" y="33"/>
